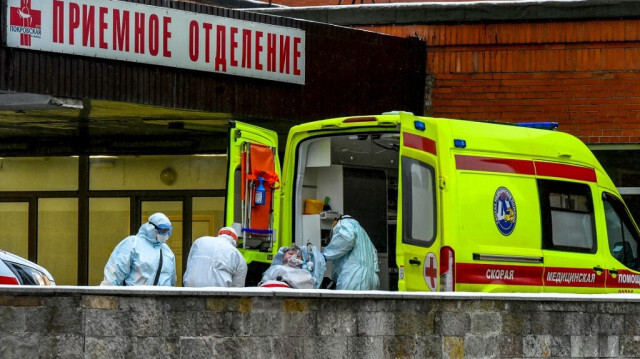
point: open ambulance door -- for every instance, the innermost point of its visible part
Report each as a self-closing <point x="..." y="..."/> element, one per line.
<point x="418" y="236"/>
<point x="253" y="193"/>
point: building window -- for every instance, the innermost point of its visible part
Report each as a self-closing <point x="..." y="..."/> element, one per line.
<point x="161" y="172"/>
<point x="14" y="220"/>
<point x="39" y="173"/>
<point x="58" y="238"/>
<point x="622" y="165"/>
<point x="108" y="225"/>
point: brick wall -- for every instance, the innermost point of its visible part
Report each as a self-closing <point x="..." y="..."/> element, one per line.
<point x="584" y="75"/>
<point x="90" y="322"/>
<point x="572" y="62"/>
<point x="298" y="3"/>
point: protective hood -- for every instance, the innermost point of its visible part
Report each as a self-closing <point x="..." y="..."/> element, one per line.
<point x="148" y="231"/>
<point x="229" y="234"/>
<point x="229" y="239"/>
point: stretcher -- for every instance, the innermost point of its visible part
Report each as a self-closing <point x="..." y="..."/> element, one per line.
<point x="259" y="181"/>
<point x="313" y="260"/>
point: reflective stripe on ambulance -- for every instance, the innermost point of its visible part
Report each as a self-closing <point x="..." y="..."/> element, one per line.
<point x="419" y="143"/>
<point x="625" y="279"/>
<point x="525" y="167"/>
<point x="472" y="273"/>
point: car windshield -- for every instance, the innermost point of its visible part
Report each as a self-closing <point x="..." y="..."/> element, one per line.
<point x="27" y="275"/>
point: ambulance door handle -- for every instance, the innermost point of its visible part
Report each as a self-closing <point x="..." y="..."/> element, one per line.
<point x="415" y="261"/>
<point x="598" y="269"/>
<point x="613" y="271"/>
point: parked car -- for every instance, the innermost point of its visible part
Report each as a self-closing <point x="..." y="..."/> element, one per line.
<point x="15" y="270"/>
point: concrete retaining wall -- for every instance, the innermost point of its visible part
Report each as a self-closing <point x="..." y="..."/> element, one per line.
<point x="87" y="322"/>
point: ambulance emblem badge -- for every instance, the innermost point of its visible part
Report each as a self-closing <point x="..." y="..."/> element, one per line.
<point x="504" y="211"/>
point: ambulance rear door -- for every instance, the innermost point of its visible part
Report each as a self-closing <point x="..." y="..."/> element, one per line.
<point x="253" y="193"/>
<point x="418" y="233"/>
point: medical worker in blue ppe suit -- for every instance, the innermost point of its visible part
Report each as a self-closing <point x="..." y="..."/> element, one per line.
<point x="354" y="258"/>
<point x="143" y="259"/>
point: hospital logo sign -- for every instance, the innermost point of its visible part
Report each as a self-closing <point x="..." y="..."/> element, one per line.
<point x="504" y="211"/>
<point x="26" y="21"/>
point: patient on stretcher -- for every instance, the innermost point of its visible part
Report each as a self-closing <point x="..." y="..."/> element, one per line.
<point x="295" y="267"/>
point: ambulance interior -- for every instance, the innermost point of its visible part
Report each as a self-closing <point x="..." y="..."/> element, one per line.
<point x="354" y="174"/>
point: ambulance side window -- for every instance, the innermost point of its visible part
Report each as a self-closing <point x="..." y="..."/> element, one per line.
<point x="567" y="216"/>
<point x="418" y="203"/>
<point x="623" y="238"/>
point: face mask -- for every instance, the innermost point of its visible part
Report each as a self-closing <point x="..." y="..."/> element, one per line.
<point x="162" y="239"/>
<point x="293" y="262"/>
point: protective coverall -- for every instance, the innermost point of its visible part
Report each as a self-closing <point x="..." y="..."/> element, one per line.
<point x="136" y="259"/>
<point x="354" y="258"/>
<point x="215" y="262"/>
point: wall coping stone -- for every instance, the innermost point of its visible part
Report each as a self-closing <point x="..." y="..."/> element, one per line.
<point x="315" y="293"/>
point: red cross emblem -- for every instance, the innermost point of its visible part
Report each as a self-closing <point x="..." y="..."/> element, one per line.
<point x="431" y="271"/>
<point x="25" y="18"/>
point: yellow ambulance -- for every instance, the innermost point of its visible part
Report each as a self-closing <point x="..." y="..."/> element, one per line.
<point x="450" y="205"/>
